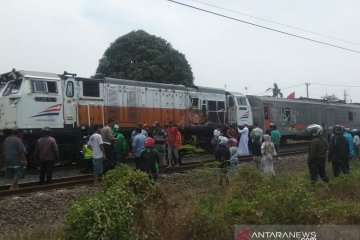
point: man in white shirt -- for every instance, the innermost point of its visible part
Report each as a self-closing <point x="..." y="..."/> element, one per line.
<point x="356" y="141"/>
<point x="98" y="153"/>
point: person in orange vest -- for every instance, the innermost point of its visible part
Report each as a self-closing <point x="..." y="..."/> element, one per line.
<point x="179" y="147"/>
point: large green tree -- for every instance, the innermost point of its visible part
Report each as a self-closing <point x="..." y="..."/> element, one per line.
<point x="144" y="57"/>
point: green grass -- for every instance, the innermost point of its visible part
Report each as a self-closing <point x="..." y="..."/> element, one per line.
<point x="204" y="210"/>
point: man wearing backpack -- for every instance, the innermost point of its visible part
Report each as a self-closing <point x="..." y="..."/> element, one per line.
<point x="119" y="146"/>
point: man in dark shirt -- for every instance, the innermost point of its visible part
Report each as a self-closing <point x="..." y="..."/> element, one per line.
<point x="47" y="153"/>
<point x="15" y="159"/>
<point x="338" y="151"/>
<point x="317" y="153"/>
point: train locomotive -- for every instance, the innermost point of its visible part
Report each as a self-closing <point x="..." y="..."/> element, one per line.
<point x="70" y="105"/>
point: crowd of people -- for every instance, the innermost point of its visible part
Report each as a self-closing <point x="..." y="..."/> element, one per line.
<point x="153" y="148"/>
<point x="233" y="142"/>
<point x="157" y="147"/>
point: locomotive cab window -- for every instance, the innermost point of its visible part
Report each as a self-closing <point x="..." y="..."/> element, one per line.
<point x="221" y="106"/>
<point x="12" y="87"/>
<point x="351" y="116"/>
<point x="91" y="89"/>
<point x="44" y="86"/>
<point x="194" y="102"/>
<point x="241" y="100"/>
<point x="231" y="101"/>
<point x="70" y="89"/>
<point x="212" y="105"/>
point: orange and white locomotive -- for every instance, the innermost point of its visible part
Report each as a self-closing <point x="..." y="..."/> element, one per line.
<point x="69" y="105"/>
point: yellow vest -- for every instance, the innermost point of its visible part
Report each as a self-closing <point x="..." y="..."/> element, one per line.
<point x="87" y="152"/>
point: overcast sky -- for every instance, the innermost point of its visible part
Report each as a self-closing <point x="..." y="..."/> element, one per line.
<point x="72" y="35"/>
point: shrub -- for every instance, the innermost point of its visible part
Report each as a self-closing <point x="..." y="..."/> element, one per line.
<point x="251" y="198"/>
<point x="120" y="211"/>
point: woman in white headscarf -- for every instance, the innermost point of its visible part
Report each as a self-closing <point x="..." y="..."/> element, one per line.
<point x="243" y="148"/>
<point x="268" y="152"/>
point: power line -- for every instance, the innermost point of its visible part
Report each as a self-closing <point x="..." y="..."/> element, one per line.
<point x="334" y="85"/>
<point x="267" y="28"/>
<point x="280" y="24"/>
<point x="297" y="85"/>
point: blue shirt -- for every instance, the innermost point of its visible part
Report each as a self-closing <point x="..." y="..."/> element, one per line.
<point x="349" y="139"/>
<point x="138" y="144"/>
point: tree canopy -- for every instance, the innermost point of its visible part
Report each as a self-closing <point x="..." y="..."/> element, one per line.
<point x="144" y="57"/>
<point x="276" y="91"/>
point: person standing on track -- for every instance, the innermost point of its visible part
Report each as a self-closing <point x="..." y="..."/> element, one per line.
<point x="256" y="151"/>
<point x="356" y="142"/>
<point x="222" y="154"/>
<point x="349" y="140"/>
<point x="243" y="148"/>
<point x="98" y="152"/>
<point x="317" y="153"/>
<point x="275" y="137"/>
<point x="150" y="158"/>
<point x="138" y="145"/>
<point x="15" y="160"/>
<point x="108" y="143"/>
<point x="47" y="153"/>
<point x="119" y="146"/>
<point x="338" y="151"/>
<point x="234" y="160"/>
<point x="268" y="152"/>
<point x="172" y="134"/>
<point x="159" y="135"/>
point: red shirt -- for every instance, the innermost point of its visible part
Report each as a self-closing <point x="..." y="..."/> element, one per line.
<point x="172" y="133"/>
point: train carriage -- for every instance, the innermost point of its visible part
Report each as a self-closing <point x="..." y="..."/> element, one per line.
<point x="292" y="116"/>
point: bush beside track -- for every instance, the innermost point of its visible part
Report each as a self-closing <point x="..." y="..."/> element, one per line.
<point x="194" y="206"/>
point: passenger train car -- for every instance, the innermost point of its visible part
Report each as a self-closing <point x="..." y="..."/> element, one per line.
<point x="69" y="105"/>
<point x="292" y="116"/>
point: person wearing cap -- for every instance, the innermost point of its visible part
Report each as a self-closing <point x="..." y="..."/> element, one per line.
<point x="317" y="153"/>
<point x="47" y="152"/>
<point x="119" y="146"/>
<point x="243" y="148"/>
<point x="338" y="151"/>
<point x="159" y="135"/>
<point x="150" y="159"/>
<point x="108" y="141"/>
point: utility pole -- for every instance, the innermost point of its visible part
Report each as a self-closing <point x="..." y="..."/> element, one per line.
<point x="345" y="95"/>
<point x="307" y="89"/>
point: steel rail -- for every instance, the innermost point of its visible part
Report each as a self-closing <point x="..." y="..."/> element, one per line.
<point x="68" y="182"/>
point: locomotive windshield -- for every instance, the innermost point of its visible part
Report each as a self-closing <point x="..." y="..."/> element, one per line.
<point x="241" y="100"/>
<point x="12" y="87"/>
<point x="2" y="85"/>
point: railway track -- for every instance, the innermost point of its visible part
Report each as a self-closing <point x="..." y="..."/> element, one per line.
<point x="68" y="182"/>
